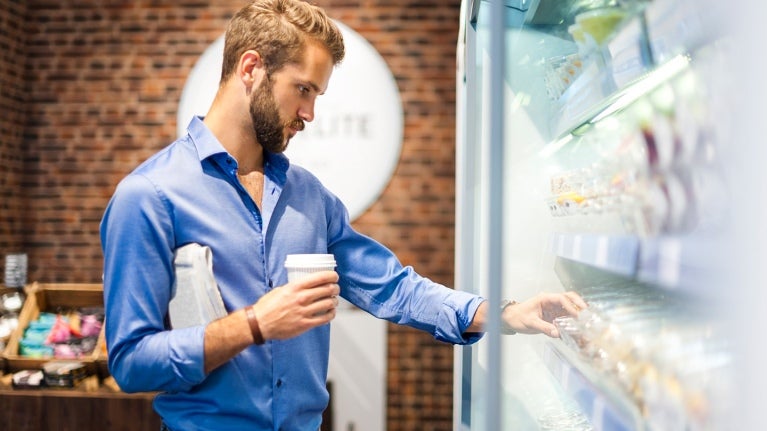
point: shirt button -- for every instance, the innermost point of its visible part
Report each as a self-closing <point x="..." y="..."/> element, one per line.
<point x="279" y="383"/>
<point x="271" y="283"/>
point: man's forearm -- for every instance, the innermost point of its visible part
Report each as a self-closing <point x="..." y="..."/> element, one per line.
<point x="225" y="338"/>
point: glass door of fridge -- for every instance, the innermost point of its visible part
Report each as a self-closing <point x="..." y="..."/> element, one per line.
<point x="614" y="183"/>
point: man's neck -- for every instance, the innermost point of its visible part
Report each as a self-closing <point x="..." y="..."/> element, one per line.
<point x="236" y="135"/>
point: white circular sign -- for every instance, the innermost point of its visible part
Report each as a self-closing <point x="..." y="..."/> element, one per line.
<point x="354" y="142"/>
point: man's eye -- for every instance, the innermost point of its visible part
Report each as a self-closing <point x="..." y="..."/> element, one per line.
<point x="303" y="89"/>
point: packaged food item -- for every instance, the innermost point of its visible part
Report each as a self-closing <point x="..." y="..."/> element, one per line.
<point x="560" y="73"/>
<point x="71" y="335"/>
<point x="8" y="323"/>
<point x="600" y="23"/>
<point x="578" y="35"/>
<point x="27" y="379"/>
<point x="64" y="374"/>
<point x="11" y="302"/>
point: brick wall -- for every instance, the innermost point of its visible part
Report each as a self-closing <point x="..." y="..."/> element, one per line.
<point x="97" y="84"/>
<point x="12" y="145"/>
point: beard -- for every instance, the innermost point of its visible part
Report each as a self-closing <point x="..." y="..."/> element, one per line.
<point x="267" y="124"/>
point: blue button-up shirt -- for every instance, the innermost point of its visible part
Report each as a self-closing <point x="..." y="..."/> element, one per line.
<point x="189" y="192"/>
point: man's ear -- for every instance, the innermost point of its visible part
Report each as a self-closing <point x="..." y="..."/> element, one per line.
<point x="251" y="69"/>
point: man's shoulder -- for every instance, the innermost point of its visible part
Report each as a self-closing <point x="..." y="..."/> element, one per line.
<point x="172" y="159"/>
<point x="170" y="164"/>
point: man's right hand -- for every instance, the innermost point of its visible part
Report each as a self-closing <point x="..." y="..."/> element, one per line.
<point x="294" y="308"/>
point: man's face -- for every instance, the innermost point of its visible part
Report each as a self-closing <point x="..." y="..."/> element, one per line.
<point x="267" y="123"/>
<point x="285" y="99"/>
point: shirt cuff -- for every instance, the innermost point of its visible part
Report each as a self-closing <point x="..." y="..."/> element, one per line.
<point x="455" y="318"/>
<point x="187" y="354"/>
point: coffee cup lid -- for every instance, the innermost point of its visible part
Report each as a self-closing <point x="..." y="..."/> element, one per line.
<point x="310" y="260"/>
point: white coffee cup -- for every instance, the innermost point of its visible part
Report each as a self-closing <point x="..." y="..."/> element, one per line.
<point x="301" y="265"/>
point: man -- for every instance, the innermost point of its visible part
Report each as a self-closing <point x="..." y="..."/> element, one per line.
<point x="227" y="185"/>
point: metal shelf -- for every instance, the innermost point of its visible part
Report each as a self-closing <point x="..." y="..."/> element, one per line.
<point x="616" y="254"/>
<point x="680" y="263"/>
<point x="604" y="404"/>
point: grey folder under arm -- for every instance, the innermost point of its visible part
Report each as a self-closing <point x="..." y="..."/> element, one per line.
<point x="195" y="299"/>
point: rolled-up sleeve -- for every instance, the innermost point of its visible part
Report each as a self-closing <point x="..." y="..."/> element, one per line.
<point x="137" y="240"/>
<point x="456" y="316"/>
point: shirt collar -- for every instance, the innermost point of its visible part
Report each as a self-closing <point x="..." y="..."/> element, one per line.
<point x="275" y="165"/>
<point x="206" y="143"/>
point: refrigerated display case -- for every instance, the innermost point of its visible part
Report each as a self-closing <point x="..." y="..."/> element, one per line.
<point x="593" y="155"/>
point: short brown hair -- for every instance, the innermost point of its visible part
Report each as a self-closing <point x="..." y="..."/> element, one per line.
<point x="278" y="30"/>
